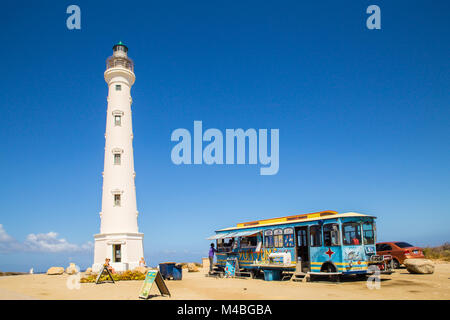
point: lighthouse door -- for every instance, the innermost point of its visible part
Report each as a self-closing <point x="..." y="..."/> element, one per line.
<point x="117" y="253"/>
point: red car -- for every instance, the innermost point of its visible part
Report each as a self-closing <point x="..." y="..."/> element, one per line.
<point x="399" y="251"/>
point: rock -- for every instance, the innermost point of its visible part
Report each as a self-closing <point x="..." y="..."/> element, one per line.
<point x="88" y="271"/>
<point x="192" y="267"/>
<point x="422" y="266"/>
<point x="55" y="270"/>
<point x="140" y="269"/>
<point x="72" y="269"/>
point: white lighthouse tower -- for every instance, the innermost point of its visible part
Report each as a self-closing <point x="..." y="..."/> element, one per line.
<point x="119" y="238"/>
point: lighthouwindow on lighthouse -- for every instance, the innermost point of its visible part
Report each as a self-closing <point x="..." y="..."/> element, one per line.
<point x="117" y="120"/>
<point x="117" y="200"/>
<point x="117" y="158"/>
<point x="118" y="87"/>
<point x="117" y="253"/>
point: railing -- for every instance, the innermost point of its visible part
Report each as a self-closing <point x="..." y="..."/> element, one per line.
<point x="115" y="62"/>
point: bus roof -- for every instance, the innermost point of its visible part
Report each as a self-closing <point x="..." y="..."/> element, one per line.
<point x="322" y="215"/>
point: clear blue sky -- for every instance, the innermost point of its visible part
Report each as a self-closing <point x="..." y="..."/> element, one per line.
<point x="363" y="118"/>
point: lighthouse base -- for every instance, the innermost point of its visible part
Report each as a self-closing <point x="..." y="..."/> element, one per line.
<point x="124" y="249"/>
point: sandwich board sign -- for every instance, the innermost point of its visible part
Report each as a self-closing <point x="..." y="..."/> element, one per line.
<point x="230" y="267"/>
<point x="151" y="277"/>
<point x="104" y="270"/>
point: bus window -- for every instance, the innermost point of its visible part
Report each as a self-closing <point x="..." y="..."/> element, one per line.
<point x="288" y="237"/>
<point x="351" y="233"/>
<point x="268" y="238"/>
<point x="225" y="245"/>
<point x="219" y="245"/>
<point x="249" y="242"/>
<point x="368" y="233"/>
<point x="331" y="235"/>
<point x="302" y="240"/>
<point x="278" y="238"/>
<point x="315" y="236"/>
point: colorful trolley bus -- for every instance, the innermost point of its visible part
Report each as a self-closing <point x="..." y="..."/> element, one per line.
<point x="324" y="242"/>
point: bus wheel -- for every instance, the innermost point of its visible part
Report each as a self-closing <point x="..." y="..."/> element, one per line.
<point x="329" y="268"/>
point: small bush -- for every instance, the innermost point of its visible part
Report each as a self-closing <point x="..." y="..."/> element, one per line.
<point x="123" y="276"/>
<point x="439" y="253"/>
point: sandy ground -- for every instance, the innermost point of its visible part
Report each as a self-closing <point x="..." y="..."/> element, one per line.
<point x="400" y="285"/>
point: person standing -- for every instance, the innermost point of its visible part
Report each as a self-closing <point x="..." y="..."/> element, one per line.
<point x="212" y="250"/>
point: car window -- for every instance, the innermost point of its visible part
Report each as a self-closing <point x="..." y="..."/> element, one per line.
<point x="387" y="247"/>
<point x="403" y="245"/>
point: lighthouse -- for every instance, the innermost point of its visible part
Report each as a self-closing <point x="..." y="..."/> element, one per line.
<point x="119" y="238"/>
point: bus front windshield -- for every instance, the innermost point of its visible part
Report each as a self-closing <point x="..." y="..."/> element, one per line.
<point x="368" y="232"/>
<point x="351" y="233"/>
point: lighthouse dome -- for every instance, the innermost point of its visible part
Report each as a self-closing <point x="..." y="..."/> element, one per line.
<point x="120" y="46"/>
